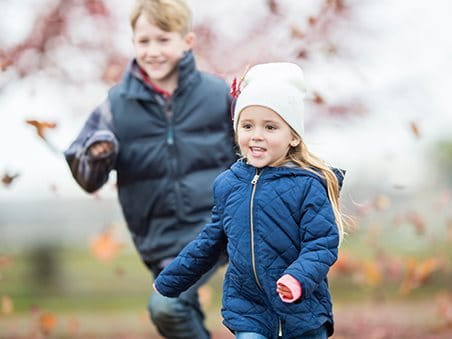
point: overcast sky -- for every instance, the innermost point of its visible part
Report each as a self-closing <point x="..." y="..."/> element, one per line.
<point x="402" y="70"/>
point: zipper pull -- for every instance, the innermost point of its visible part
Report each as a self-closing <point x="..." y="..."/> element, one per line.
<point x="255" y="179"/>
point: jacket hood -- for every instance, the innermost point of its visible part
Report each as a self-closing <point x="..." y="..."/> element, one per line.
<point x="246" y="172"/>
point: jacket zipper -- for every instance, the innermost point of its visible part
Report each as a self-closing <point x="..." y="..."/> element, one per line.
<point x="279" y="328"/>
<point x="169" y="115"/>
<point x="253" y="260"/>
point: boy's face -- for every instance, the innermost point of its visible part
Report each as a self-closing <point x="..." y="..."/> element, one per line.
<point x="158" y="52"/>
<point x="264" y="138"/>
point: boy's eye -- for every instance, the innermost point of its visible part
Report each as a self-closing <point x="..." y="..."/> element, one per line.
<point x="246" y="126"/>
<point x="164" y="40"/>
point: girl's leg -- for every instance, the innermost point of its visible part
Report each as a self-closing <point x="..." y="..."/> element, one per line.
<point x="249" y="335"/>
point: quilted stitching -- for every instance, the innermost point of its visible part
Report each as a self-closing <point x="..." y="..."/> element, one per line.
<point x="294" y="233"/>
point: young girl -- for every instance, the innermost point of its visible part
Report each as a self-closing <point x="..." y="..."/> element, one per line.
<point x="276" y="213"/>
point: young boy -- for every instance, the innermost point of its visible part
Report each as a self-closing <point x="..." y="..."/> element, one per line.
<point x="165" y="129"/>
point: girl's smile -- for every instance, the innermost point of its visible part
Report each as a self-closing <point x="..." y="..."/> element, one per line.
<point x="264" y="138"/>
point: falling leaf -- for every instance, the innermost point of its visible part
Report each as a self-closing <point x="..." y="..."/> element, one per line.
<point x="273" y="6"/>
<point x="344" y="264"/>
<point x="417" y="273"/>
<point x="372" y="273"/>
<point x="41" y="126"/>
<point x="104" y="246"/>
<point x="318" y="99"/>
<point x="415" y="129"/>
<point x="296" y="33"/>
<point x="47" y="322"/>
<point x="7" y="305"/>
<point x="417" y="221"/>
<point x="312" y="21"/>
<point x="5" y="63"/>
<point x="7" y="179"/>
<point x="382" y="202"/>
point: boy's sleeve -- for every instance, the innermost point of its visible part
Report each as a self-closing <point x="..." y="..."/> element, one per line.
<point x="92" y="172"/>
<point x="320" y="242"/>
<point x="198" y="257"/>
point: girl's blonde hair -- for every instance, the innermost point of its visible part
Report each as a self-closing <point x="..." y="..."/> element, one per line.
<point x="168" y="15"/>
<point x="301" y="156"/>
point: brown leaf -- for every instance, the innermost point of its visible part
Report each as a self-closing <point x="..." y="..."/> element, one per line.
<point x="7" y="179"/>
<point x="41" y="126"/>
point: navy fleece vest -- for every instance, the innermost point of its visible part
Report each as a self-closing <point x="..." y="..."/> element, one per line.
<point x="166" y="166"/>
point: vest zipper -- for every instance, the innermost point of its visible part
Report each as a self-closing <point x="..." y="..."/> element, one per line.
<point x="169" y="119"/>
<point x="253" y="260"/>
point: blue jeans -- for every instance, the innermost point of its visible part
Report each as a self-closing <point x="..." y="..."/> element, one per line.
<point x="181" y="317"/>
<point x="319" y="333"/>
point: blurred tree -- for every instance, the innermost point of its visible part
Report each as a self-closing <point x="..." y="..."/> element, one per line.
<point x="65" y="32"/>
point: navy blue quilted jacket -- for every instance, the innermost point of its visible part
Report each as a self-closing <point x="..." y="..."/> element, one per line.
<point x="272" y="221"/>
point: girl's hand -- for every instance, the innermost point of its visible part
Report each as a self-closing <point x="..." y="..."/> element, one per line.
<point x="100" y="148"/>
<point x="283" y="291"/>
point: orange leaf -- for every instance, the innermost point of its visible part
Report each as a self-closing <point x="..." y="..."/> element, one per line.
<point x="7" y="305"/>
<point x="417" y="274"/>
<point x="41" y="126"/>
<point x="105" y="247"/>
<point x="47" y="322"/>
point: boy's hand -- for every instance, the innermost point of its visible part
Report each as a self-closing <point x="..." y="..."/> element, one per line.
<point x="283" y="291"/>
<point x="101" y="148"/>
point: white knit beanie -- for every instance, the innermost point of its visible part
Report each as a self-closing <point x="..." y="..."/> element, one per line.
<point x="279" y="86"/>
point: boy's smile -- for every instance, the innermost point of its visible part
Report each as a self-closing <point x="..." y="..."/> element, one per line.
<point x="264" y="138"/>
<point x="158" y="52"/>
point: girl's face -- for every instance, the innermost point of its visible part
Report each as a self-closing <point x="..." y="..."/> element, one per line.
<point x="264" y="138"/>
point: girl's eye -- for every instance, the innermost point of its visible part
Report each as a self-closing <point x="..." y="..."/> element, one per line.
<point x="271" y="127"/>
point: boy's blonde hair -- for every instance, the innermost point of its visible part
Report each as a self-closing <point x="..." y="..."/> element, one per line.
<point x="168" y="15"/>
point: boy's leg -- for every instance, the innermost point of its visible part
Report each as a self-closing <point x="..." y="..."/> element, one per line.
<point x="182" y="317"/>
